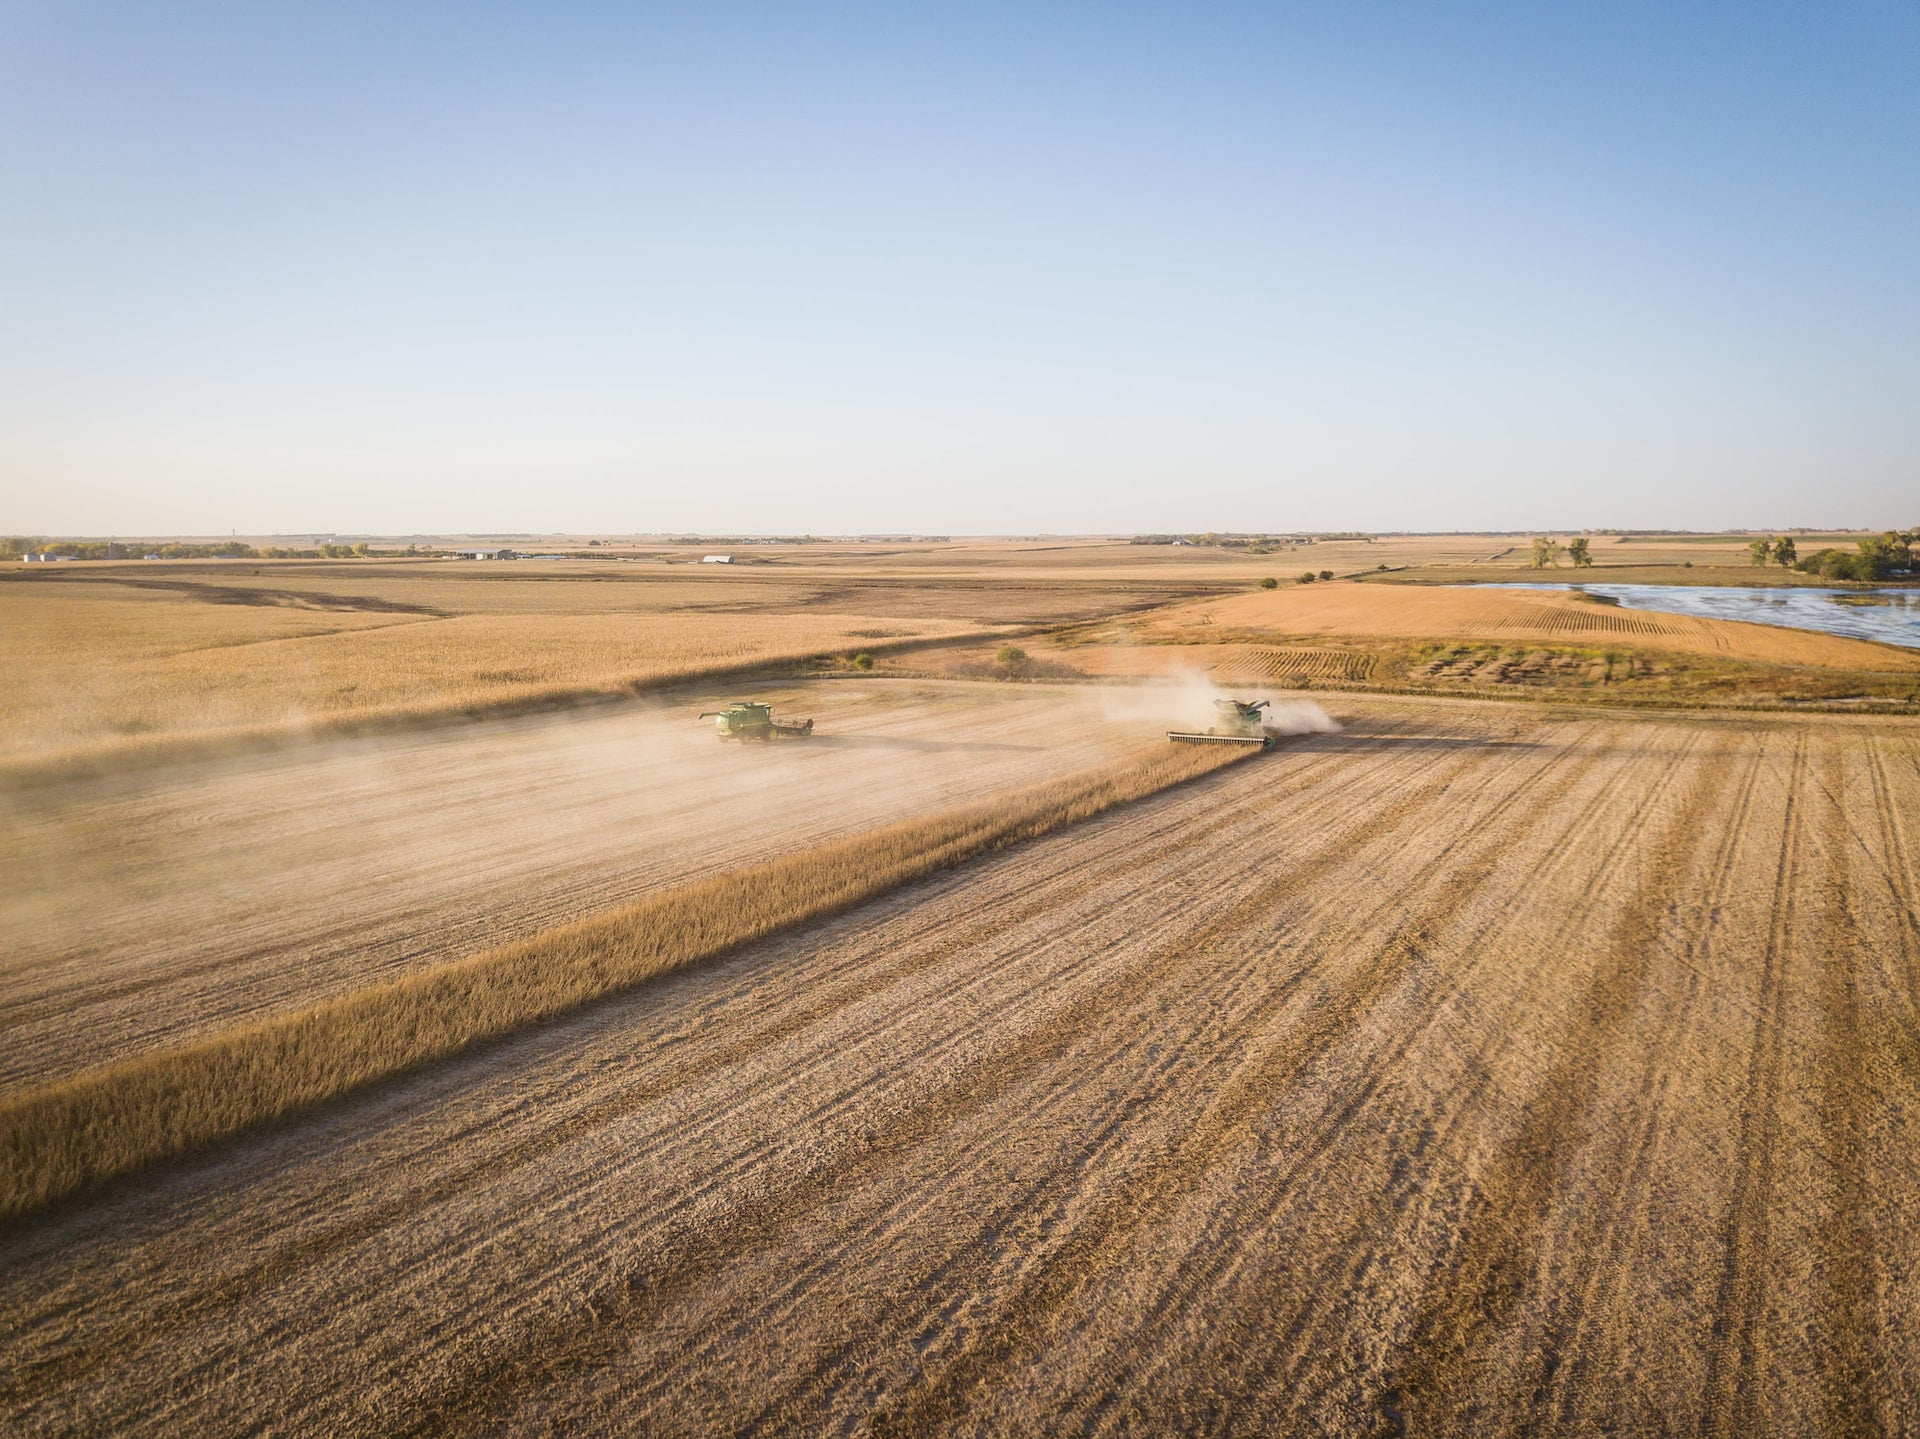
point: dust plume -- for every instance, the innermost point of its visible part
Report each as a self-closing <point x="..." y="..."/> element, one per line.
<point x="1187" y="700"/>
<point x="222" y="887"/>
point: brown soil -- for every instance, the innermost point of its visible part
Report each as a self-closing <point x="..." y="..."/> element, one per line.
<point x="1479" y="1070"/>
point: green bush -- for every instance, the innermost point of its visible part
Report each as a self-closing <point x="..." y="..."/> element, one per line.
<point x="863" y="661"/>
<point x="1269" y="583"/>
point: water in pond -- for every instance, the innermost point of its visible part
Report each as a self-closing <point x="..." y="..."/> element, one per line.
<point x="1890" y="616"/>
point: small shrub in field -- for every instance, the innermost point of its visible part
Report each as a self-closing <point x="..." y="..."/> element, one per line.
<point x="1326" y="574"/>
<point x="863" y="661"/>
<point x="1269" y="583"/>
<point x="1014" y="661"/>
<point x="1307" y="577"/>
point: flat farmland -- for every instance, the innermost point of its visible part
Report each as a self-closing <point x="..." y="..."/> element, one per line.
<point x="1479" y="1069"/>
<point x="109" y="661"/>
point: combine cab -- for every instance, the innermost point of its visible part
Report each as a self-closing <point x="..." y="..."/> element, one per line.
<point x="1234" y="722"/>
<point x="749" y="719"/>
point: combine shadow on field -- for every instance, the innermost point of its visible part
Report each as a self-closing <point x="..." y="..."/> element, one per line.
<point x="927" y="746"/>
<point x="1351" y="739"/>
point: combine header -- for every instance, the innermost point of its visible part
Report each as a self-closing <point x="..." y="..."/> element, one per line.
<point x="1234" y="722"/>
<point x="749" y="719"/>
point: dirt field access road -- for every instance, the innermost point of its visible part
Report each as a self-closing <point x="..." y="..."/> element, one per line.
<point x="1475" y="1071"/>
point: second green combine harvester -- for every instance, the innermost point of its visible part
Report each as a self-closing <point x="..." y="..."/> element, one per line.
<point x="749" y="719"/>
<point x="1234" y="722"/>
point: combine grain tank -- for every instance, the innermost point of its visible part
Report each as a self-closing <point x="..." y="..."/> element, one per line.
<point x="1234" y="722"/>
<point x="749" y="719"/>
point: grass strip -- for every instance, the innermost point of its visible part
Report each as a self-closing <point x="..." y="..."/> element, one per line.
<point x="60" y="1138"/>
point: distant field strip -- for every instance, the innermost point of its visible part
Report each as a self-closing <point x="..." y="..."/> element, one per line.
<point x="61" y="1137"/>
<point x="100" y="676"/>
<point x="1227" y="663"/>
<point x="1411" y="612"/>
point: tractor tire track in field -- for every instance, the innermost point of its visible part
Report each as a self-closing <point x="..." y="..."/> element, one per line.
<point x="1477" y="1070"/>
<point x="1294" y="886"/>
<point x="1898" y="872"/>
<point x="1485" y="1271"/>
<point x="1304" y="1336"/>
<point x="1296" y="1338"/>
<point x="1129" y="1222"/>
<point x="1117" y="1221"/>
<point x="1734" y="1359"/>
<point x="1568" y="1343"/>
<point x="569" y="1345"/>
<point x="922" y="948"/>
<point x="1848" y="1336"/>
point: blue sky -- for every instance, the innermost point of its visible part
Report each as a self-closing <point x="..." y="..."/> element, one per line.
<point x="977" y="269"/>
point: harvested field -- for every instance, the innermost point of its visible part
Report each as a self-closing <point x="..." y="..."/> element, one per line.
<point x="1481" y="1069"/>
<point x="119" y="1118"/>
<point x="149" y="908"/>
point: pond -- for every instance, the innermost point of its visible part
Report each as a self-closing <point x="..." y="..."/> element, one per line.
<point x="1889" y="616"/>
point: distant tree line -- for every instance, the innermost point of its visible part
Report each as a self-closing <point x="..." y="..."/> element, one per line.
<point x="13" y="547"/>
<point x="1253" y="544"/>
<point x="1878" y="557"/>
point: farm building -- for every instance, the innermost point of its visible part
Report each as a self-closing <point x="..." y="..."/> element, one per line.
<point x="483" y="554"/>
<point x="716" y="559"/>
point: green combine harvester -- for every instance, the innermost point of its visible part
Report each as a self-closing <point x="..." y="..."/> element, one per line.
<point x="749" y="719"/>
<point x="1234" y="722"/>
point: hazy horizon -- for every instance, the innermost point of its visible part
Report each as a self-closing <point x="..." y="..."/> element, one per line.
<point x="993" y="270"/>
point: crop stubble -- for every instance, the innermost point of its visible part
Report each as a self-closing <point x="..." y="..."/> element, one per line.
<point x="1464" y="1072"/>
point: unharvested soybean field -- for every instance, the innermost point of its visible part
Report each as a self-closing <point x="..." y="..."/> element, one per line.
<point x="1481" y="1068"/>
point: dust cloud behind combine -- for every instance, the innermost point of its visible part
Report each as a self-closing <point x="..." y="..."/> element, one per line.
<point x="1186" y="699"/>
<point x="150" y="907"/>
